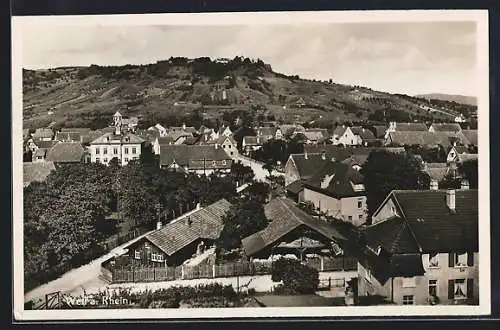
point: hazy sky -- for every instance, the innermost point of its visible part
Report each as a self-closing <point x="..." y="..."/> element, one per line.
<point x="407" y="58"/>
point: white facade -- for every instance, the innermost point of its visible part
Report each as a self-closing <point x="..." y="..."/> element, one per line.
<point x="103" y="153"/>
<point x="347" y="138"/>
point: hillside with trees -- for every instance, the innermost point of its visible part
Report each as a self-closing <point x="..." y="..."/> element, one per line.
<point x="200" y="89"/>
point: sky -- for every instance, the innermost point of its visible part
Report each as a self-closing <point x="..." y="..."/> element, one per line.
<point x="410" y="58"/>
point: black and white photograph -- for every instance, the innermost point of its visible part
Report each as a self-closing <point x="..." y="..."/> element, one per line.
<point x="219" y="165"/>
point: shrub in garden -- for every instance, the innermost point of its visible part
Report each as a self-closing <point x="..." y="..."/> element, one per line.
<point x="296" y="277"/>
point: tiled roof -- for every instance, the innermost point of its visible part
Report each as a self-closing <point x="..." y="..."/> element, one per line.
<point x="43" y="133"/>
<point x="87" y="138"/>
<point x="471" y="135"/>
<point x="308" y="164"/>
<point x="426" y="138"/>
<point x="435" y="227"/>
<point x="284" y="216"/>
<point x="266" y="131"/>
<point x="364" y="133"/>
<point x="80" y="130"/>
<point x="184" y="155"/>
<point x="339" y="153"/>
<point x="315" y="135"/>
<point x="393" y="234"/>
<point x="222" y="139"/>
<point x="111" y="138"/>
<point x="175" y="135"/>
<point x="466" y="157"/>
<point x="339" y="130"/>
<point x="437" y="171"/>
<point x="66" y="152"/>
<point x="340" y="185"/>
<point x="37" y="171"/>
<point x="446" y="127"/>
<point x="204" y="223"/>
<point x="187" y="129"/>
<point x="410" y="127"/>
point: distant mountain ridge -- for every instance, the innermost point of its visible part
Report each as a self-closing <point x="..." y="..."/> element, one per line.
<point x="463" y="99"/>
<point x="163" y="91"/>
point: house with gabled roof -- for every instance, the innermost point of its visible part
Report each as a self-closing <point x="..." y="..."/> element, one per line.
<point x="227" y="143"/>
<point x="159" y="128"/>
<point x="422" y="248"/>
<point x="293" y="231"/>
<point x="406" y="127"/>
<point x="471" y="135"/>
<point x="43" y="134"/>
<point x="66" y="153"/>
<point x="303" y="166"/>
<point x="251" y="143"/>
<point x="120" y="144"/>
<point x="199" y="159"/>
<point x="458" y="154"/>
<point x="337" y="190"/>
<point x="343" y="135"/>
<point x="425" y="138"/>
<point x="175" y="242"/>
<point x="364" y="135"/>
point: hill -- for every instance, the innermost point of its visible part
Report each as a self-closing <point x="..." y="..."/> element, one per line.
<point x="169" y="91"/>
<point x="470" y="100"/>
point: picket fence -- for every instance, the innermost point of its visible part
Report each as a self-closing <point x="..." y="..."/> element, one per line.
<point x="156" y="274"/>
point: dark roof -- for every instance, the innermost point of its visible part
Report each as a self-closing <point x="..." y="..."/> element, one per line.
<point x="446" y="127"/>
<point x="435" y="227"/>
<point x="184" y="155"/>
<point x="308" y="164"/>
<point x="379" y="130"/>
<point x="364" y="133"/>
<point x="37" y="171"/>
<point x="295" y="187"/>
<point x="393" y="234"/>
<point x="66" y="152"/>
<point x="204" y="223"/>
<point x="471" y="135"/>
<point x="80" y="130"/>
<point x="341" y="177"/>
<point x="340" y="153"/>
<point x="187" y="129"/>
<point x="88" y="137"/>
<point x="284" y="216"/>
<point x="437" y="171"/>
<point x="112" y="138"/>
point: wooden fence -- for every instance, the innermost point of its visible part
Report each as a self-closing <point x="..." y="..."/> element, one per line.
<point x="149" y="274"/>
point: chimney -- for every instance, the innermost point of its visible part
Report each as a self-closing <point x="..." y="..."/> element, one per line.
<point x="187" y="221"/>
<point x="198" y="206"/>
<point x="305" y="155"/>
<point x="158" y="225"/>
<point x="216" y="146"/>
<point x="464" y="185"/>
<point x="323" y="155"/>
<point x="363" y="129"/>
<point x="434" y="185"/>
<point x="183" y="127"/>
<point x="450" y="199"/>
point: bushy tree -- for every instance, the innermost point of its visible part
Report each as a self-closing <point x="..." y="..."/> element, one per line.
<point x="385" y="171"/>
<point x="296" y="277"/>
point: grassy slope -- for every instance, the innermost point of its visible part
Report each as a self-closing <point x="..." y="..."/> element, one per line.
<point x="61" y="95"/>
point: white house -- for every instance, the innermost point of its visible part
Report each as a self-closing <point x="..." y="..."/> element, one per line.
<point x="344" y="135"/>
<point x="124" y="146"/>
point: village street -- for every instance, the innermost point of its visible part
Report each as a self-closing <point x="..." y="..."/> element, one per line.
<point x="256" y="166"/>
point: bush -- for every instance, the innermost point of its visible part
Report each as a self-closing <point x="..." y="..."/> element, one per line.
<point x="296" y="277"/>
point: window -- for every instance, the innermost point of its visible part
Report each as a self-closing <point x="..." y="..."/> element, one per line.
<point x="459" y="289"/>
<point x="115" y="151"/>
<point x="433" y="260"/>
<point x="229" y="146"/>
<point x="105" y="160"/>
<point x="137" y="254"/>
<point x="407" y="300"/>
<point x="368" y="275"/>
<point x="231" y="153"/>
<point x="223" y="146"/>
<point x="433" y="288"/>
<point x="97" y="150"/>
<point x="350" y="218"/>
<point x="214" y="163"/>
<point x="224" y="162"/>
<point x="134" y="150"/>
<point x="409" y="282"/>
<point x="105" y="151"/>
<point x="360" y="204"/>
<point x="158" y="257"/>
<point x="126" y="160"/>
<point x="360" y="217"/>
<point x="460" y="259"/>
<point x="98" y="160"/>
<point x="126" y="151"/>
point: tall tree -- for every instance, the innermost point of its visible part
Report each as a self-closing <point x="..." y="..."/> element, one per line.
<point x="469" y="170"/>
<point x="385" y="171"/>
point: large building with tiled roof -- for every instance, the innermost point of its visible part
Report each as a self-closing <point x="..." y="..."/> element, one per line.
<point x="199" y="159"/>
<point x="119" y="144"/>
<point x="425" y="138"/>
<point x="177" y="241"/>
<point x="422" y="248"/>
<point x="445" y="127"/>
<point x="66" y="152"/>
